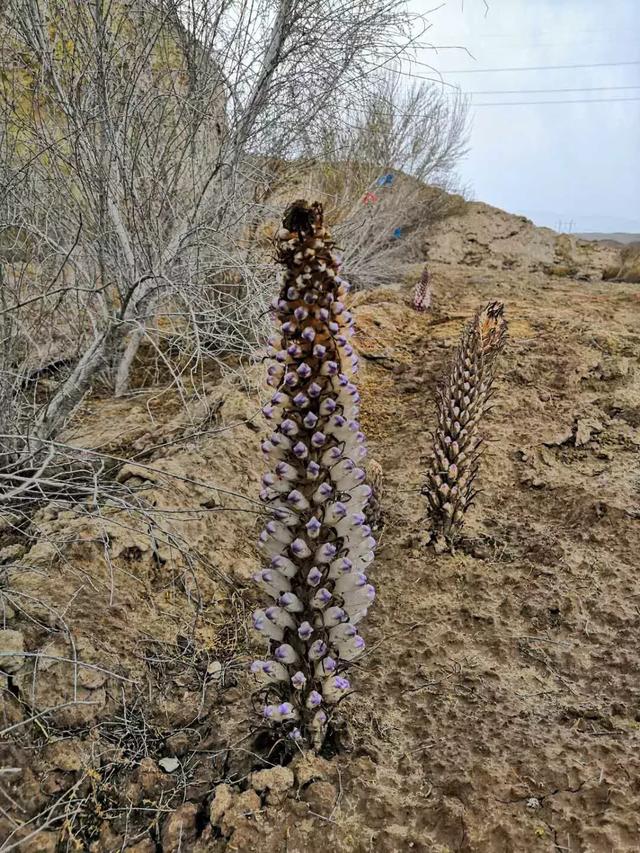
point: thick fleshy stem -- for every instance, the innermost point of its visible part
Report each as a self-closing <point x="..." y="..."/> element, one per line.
<point x="462" y="400"/>
<point x="317" y="543"/>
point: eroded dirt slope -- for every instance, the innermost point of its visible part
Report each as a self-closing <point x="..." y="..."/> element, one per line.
<point x="499" y="704"/>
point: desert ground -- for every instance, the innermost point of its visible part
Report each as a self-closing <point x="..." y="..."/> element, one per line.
<point x="498" y="705"/>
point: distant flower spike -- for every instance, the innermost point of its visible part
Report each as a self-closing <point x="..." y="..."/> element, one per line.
<point x="422" y="293"/>
<point x="318" y="543"/>
<point x="462" y="400"/>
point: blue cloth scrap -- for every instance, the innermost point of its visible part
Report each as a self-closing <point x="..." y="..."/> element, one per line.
<point x="385" y="180"/>
<point x="397" y="233"/>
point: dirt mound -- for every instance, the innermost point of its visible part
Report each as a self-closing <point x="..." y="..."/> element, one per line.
<point x="498" y="705"/>
<point x="485" y="236"/>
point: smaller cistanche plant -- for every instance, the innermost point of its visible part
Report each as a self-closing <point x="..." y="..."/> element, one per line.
<point x="462" y="400"/>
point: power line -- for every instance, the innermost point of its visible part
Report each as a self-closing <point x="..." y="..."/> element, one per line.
<point x="535" y="103"/>
<point x="517" y="68"/>
<point x="511" y="104"/>
<point x="541" y="67"/>
<point x="547" y="91"/>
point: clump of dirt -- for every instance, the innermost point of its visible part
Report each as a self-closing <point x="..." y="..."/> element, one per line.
<point x="498" y="705"/>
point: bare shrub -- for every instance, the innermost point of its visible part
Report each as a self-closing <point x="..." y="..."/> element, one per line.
<point x="384" y="173"/>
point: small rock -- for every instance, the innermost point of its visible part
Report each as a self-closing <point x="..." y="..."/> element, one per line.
<point x="584" y="431"/>
<point x="214" y="670"/>
<point x="246" y="805"/>
<point x="221" y="803"/>
<point x="277" y="781"/>
<point x="43" y="842"/>
<point x="232" y="696"/>
<point x="179" y="830"/>
<point x="169" y="765"/>
<point x="178" y="744"/>
<point x="68" y="754"/>
<point x="311" y="768"/>
<point x="321" y="797"/>
<point x="11" y="647"/>
<point x="11" y="553"/>
<point x="533" y="803"/>
<point x="144" y="846"/>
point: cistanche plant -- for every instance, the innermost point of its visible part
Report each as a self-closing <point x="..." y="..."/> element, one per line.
<point x="462" y="400"/>
<point x="316" y="542"/>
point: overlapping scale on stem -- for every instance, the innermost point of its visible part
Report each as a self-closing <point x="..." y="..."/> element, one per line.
<point x="317" y="543"/>
<point x="461" y="402"/>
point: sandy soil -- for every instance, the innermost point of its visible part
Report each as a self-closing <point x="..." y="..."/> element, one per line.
<point x="499" y="705"/>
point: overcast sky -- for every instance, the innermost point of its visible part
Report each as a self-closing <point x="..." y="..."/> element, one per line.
<point x="576" y="164"/>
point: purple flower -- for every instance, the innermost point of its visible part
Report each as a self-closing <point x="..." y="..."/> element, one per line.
<point x="328" y="406"/>
<point x="300" y="313"/>
<point x="291" y="380"/>
<point x="288" y="327"/>
<point x="299" y="548"/>
<point x="323" y="596"/>
<point x="313" y="527"/>
<point x="323" y="314"/>
<point x="294" y="350"/>
<point x="333" y="616"/>
<point x="319" y="350"/>
<point x="309" y="334"/>
<point x="318" y="439"/>
<point x="301" y="400"/>
<point x="314" y="699"/>
<point x="310" y="420"/>
<point x="298" y="680"/>
<point x="314" y="577"/>
<point x="313" y="469"/>
<point x="329" y="664"/>
<point x="304" y="370"/>
<point x="288" y="427"/>
<point x="314" y="390"/>
<point x="341" y="683"/>
<point x="290" y="602"/>
<point x="286" y="471"/>
<point x="267" y="411"/>
<point x="305" y="631"/>
<point x="317" y="650"/>
<point x="285" y="709"/>
<point x="286" y="654"/>
<point x="334" y="327"/>
<point x="300" y="450"/>
<point x="326" y="552"/>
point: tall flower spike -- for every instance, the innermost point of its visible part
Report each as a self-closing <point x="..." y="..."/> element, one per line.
<point x="462" y="400"/>
<point x="422" y="293"/>
<point x="317" y="545"/>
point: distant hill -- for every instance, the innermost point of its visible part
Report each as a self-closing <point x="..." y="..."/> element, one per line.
<point x="616" y="237"/>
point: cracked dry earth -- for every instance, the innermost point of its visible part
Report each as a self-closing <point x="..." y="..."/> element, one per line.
<point x="498" y="707"/>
